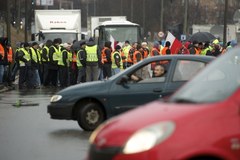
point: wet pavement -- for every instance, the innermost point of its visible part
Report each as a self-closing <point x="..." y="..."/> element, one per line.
<point x="28" y="133"/>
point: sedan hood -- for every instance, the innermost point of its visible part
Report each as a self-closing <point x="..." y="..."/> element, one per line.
<point x="92" y="87"/>
<point x="126" y="124"/>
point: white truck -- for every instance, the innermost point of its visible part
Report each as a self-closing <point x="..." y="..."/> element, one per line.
<point x="114" y="29"/>
<point x="64" y="24"/>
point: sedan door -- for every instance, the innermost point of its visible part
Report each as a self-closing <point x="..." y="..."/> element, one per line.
<point x="130" y="94"/>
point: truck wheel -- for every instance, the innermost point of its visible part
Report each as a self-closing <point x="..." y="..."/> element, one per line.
<point x="90" y="116"/>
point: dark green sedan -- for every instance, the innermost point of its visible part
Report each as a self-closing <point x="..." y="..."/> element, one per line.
<point x="91" y="103"/>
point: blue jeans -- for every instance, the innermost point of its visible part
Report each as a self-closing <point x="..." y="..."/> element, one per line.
<point x="115" y="71"/>
<point x="35" y="79"/>
<point x="1" y="73"/>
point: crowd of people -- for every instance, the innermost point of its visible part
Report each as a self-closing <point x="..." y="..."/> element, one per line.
<point x="57" y="64"/>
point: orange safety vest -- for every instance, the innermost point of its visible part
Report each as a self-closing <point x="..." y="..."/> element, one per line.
<point x="104" y="56"/>
<point x="130" y="58"/>
<point x="197" y="51"/>
<point x="74" y="58"/>
<point x="164" y="50"/>
<point x="2" y="52"/>
<point x="124" y="58"/>
<point x="135" y="60"/>
<point x="155" y="49"/>
<point x="145" y="52"/>
<point x="10" y="55"/>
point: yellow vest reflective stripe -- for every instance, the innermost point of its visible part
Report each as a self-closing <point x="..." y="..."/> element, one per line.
<point x="91" y="53"/>
<point x="113" y="60"/>
<point x="60" y="60"/>
<point x="47" y="49"/>
<point x="26" y="56"/>
<point x="56" y="54"/>
<point x="126" y="50"/>
<point x="79" y="64"/>
<point x="69" y="58"/>
<point x="34" y="55"/>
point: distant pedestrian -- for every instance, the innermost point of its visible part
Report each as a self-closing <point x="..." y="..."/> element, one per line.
<point x="93" y="60"/>
<point x="106" y="60"/>
<point x="54" y="52"/>
<point x="81" y="62"/>
<point x="117" y="64"/>
<point x="63" y="64"/>
<point x="25" y="67"/>
<point x="35" y="65"/>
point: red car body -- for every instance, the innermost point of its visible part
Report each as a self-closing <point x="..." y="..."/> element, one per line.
<point x="201" y="129"/>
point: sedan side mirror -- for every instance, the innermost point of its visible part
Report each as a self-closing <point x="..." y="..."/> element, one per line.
<point x="123" y="80"/>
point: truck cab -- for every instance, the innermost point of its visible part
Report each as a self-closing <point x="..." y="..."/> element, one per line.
<point x="117" y="31"/>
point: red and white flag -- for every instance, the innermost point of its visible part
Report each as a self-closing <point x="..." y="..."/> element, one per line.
<point x="175" y="43"/>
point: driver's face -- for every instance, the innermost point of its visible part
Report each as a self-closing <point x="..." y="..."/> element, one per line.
<point x="158" y="71"/>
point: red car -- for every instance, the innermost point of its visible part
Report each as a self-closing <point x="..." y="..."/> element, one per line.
<point x="201" y="121"/>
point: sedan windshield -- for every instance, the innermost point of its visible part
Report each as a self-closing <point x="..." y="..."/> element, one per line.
<point x="216" y="83"/>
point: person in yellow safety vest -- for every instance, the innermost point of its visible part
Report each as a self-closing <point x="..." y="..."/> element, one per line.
<point x="25" y="64"/>
<point x="206" y="50"/>
<point x="106" y="60"/>
<point x="117" y="64"/>
<point x="45" y="61"/>
<point x="35" y="62"/>
<point x="81" y="62"/>
<point x="125" y="51"/>
<point x="63" y="64"/>
<point x="93" y="61"/>
<point x="54" y="52"/>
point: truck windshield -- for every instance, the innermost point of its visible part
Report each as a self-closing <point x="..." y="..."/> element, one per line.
<point x="122" y="33"/>
<point x="216" y="83"/>
<point x="66" y="37"/>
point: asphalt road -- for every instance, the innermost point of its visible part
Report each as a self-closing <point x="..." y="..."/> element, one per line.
<point x="28" y="133"/>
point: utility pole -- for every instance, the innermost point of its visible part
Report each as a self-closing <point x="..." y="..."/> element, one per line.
<point x="185" y="25"/>
<point x="161" y="16"/>
<point x="8" y="22"/>
<point x="144" y="12"/>
<point x="26" y="21"/>
<point x="131" y="10"/>
<point x="225" y="23"/>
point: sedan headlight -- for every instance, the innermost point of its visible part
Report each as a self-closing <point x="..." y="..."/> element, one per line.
<point x="146" y="138"/>
<point x="55" y="98"/>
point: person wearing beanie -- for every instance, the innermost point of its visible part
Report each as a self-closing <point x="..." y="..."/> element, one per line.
<point x="93" y="61"/>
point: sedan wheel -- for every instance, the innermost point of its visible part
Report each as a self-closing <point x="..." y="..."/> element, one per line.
<point x="90" y="116"/>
